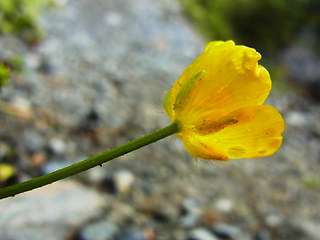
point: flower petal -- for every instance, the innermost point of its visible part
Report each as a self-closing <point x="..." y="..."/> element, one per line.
<point x="257" y="133"/>
<point x="232" y="79"/>
<point x="202" y="148"/>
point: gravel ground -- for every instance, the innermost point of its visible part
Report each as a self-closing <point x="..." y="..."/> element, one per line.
<point x="97" y="81"/>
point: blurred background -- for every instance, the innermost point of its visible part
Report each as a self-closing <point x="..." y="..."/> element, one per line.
<point x="86" y="76"/>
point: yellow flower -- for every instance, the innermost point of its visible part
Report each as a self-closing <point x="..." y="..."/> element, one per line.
<point x="218" y="104"/>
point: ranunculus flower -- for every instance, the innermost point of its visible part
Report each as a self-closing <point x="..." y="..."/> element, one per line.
<point x="218" y="104"/>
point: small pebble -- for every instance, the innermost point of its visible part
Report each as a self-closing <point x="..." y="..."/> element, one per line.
<point x="191" y="205"/>
<point x="100" y="230"/>
<point x="273" y="220"/>
<point x="149" y="234"/>
<point x="45" y="66"/>
<point x="131" y="234"/>
<point x="53" y="166"/>
<point x="224" y="205"/>
<point x="38" y="159"/>
<point x="262" y="235"/>
<point x="189" y="221"/>
<point x="225" y="231"/>
<point x="113" y="18"/>
<point x="123" y="180"/>
<point x="201" y="234"/>
<point x="296" y="118"/>
<point x="57" y="146"/>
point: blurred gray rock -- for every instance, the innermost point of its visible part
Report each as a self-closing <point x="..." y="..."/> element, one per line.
<point x="103" y="230"/>
<point x="311" y="228"/>
<point x="115" y="48"/>
<point x="130" y="234"/>
<point x="11" y="47"/>
<point x="303" y="69"/>
<point x="262" y="235"/>
<point x="52" y="212"/>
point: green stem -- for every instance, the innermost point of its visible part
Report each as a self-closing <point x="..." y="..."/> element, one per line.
<point x="88" y="163"/>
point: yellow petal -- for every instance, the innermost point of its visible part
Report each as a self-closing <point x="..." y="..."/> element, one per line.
<point x="202" y="148"/>
<point x="232" y="79"/>
<point x="256" y="133"/>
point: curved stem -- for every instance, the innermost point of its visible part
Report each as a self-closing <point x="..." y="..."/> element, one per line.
<point x="88" y="163"/>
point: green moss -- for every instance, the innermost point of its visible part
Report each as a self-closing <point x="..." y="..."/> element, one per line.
<point x="4" y="75"/>
<point x="16" y="63"/>
<point x="20" y="17"/>
<point x="312" y="181"/>
<point x="266" y="25"/>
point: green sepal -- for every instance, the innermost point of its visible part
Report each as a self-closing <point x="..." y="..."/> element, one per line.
<point x="186" y="89"/>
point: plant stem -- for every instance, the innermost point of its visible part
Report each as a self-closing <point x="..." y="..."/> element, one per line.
<point x="88" y="163"/>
